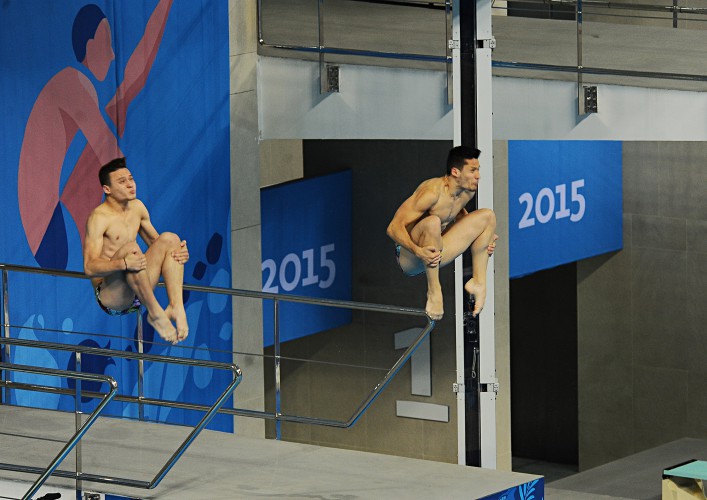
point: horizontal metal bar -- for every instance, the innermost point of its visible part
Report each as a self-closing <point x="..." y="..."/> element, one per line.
<point x="42" y="270"/>
<point x="240" y="293"/>
<point x="359" y="53"/>
<point x="38" y="370"/>
<point x="99" y="351"/>
<point x="355" y="52"/>
<point x="194" y="348"/>
<point x="238" y="376"/>
<point x="406" y="3"/>
<point x="241" y="412"/>
<point x="343" y="424"/>
<point x="346" y="304"/>
<point x="218" y="406"/>
<point x="619" y="5"/>
<point x="599" y="71"/>
<point x="77" y="475"/>
<point x="391" y="373"/>
<point x="81" y="431"/>
<point x="210" y="411"/>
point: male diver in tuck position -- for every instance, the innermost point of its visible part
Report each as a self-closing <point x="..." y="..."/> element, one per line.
<point x="432" y="228"/>
<point x="123" y="276"/>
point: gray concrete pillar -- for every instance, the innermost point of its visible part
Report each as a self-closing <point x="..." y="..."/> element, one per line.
<point x="245" y="212"/>
<point x="502" y="318"/>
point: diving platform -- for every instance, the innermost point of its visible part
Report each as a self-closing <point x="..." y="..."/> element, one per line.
<point x="227" y="466"/>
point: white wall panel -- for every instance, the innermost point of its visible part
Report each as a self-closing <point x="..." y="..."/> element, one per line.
<point x="398" y="103"/>
<point x="374" y="103"/>
<point x="546" y="109"/>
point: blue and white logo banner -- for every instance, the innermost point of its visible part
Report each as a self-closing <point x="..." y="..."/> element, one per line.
<point x="83" y="82"/>
<point x="565" y="202"/>
<point x="306" y="235"/>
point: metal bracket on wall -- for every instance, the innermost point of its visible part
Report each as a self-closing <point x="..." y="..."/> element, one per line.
<point x="330" y="78"/>
<point x="457" y="387"/>
<point x="491" y="386"/>
<point x="589" y="103"/>
<point x="486" y="43"/>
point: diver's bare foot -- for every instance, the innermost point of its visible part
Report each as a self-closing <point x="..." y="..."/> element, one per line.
<point x="435" y="306"/>
<point x="163" y="327"/>
<point x="179" y="316"/>
<point x="478" y="290"/>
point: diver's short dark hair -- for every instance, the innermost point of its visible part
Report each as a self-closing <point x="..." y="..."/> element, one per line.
<point x="457" y="156"/>
<point x="85" y="25"/>
<point x="111" y="166"/>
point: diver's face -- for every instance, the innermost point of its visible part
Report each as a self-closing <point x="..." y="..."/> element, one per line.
<point x="122" y="185"/>
<point x="469" y="175"/>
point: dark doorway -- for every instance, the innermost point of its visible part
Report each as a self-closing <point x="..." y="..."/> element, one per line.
<point x="544" y="413"/>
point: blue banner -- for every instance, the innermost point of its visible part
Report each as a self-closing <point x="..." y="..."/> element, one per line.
<point x="82" y="83"/>
<point x="306" y="235"/>
<point x="565" y="202"/>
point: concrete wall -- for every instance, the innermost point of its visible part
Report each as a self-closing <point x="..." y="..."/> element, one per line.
<point x="339" y="368"/>
<point x="245" y="210"/>
<point x="640" y="372"/>
<point x="383" y="103"/>
<point x="536" y="109"/>
<point x="641" y="313"/>
<point x="384" y="173"/>
<point x="625" y="359"/>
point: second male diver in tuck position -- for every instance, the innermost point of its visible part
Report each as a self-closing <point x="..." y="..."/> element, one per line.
<point x="123" y="276"/>
<point x="432" y="228"/>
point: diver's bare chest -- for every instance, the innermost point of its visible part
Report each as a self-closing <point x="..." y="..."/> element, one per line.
<point x="446" y="211"/>
<point x="121" y="231"/>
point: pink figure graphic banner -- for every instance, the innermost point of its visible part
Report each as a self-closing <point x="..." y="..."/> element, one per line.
<point x="83" y="82"/>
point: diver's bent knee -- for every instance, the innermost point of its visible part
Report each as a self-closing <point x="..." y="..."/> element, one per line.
<point x="431" y="223"/>
<point x="488" y="214"/>
<point x="170" y="239"/>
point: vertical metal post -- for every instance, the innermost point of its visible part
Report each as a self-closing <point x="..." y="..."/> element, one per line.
<point x="77" y="419"/>
<point x="466" y="107"/>
<point x="580" y="88"/>
<point x="675" y="13"/>
<point x="260" y="21"/>
<point x="140" y="370"/>
<point x="458" y="262"/>
<point x="450" y="41"/>
<point x="276" y="342"/>
<point x="484" y="140"/>
<point x="323" y="85"/>
<point x="6" y="318"/>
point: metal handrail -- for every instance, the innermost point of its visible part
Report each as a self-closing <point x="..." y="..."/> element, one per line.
<point x="321" y="49"/>
<point x="277" y="415"/>
<point x="579" y="69"/>
<point x="211" y="411"/>
<point x="586" y="70"/>
<point x="347" y="304"/>
<point x="608" y="4"/>
<point x="407" y="3"/>
<point x="71" y="443"/>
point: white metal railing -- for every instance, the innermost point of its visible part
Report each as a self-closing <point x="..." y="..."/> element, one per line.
<point x="7" y="342"/>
